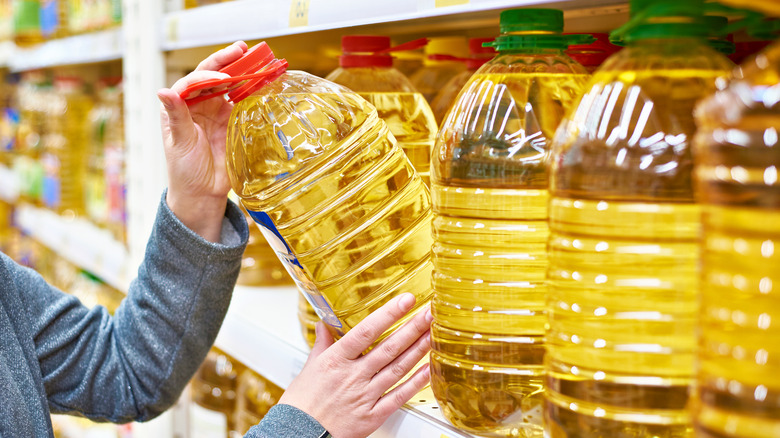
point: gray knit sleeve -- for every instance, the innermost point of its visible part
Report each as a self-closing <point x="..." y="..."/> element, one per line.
<point x="285" y="421"/>
<point x="134" y="365"/>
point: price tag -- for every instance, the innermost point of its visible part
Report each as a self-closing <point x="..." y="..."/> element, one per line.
<point x="445" y="3"/>
<point x="172" y="29"/>
<point x="299" y="13"/>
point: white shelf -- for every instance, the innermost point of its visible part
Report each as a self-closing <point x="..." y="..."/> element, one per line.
<point x="80" y="49"/>
<point x="256" y="19"/>
<point x="261" y="330"/>
<point x="78" y="241"/>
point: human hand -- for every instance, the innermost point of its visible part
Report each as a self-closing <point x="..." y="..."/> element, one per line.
<point x="194" y="141"/>
<point x="344" y="390"/>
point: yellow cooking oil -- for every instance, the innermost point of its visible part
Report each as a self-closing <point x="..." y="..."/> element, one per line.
<point x="213" y="396"/>
<point x="259" y="265"/>
<point x="255" y="396"/>
<point x="336" y="198"/>
<point x="405" y="111"/>
<point x="442" y="60"/>
<point x="308" y="319"/>
<point x="736" y="162"/>
<point x="624" y="230"/>
<point x="490" y="196"/>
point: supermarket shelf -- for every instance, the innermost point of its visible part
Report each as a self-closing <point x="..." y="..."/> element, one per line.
<point x="78" y="241"/>
<point x="80" y="49"/>
<point x="257" y="19"/>
<point x="261" y="330"/>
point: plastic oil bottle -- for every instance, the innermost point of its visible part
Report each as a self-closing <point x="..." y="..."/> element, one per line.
<point x="441" y="62"/>
<point x="65" y="158"/>
<point x="478" y="55"/>
<point x="337" y="199"/>
<point x="259" y="264"/>
<point x="737" y="157"/>
<point x="27" y="25"/>
<point x="213" y="393"/>
<point x="308" y="319"/>
<point x="624" y="233"/>
<point x="592" y="55"/>
<point x="489" y="189"/>
<point x="366" y="68"/>
<point x="255" y="396"/>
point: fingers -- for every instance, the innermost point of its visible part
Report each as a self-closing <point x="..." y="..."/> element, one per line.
<point x="324" y="340"/>
<point x="176" y="116"/>
<point x="395" y="344"/>
<point x="223" y="57"/>
<point x="364" y="334"/>
<point x="397" y="369"/>
<point x="401" y="394"/>
<point x="197" y="76"/>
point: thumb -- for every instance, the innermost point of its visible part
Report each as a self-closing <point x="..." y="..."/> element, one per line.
<point x="179" y="121"/>
<point x="324" y="340"/>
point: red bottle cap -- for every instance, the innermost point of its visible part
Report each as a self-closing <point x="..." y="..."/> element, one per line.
<point x="372" y="50"/>
<point x="249" y="73"/>
<point x="479" y="55"/>
<point x="594" y="54"/>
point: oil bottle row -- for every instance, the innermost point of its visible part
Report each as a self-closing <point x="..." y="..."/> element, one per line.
<point x="66" y="146"/>
<point x="602" y="256"/>
<point x="227" y="398"/>
<point x="29" y="22"/>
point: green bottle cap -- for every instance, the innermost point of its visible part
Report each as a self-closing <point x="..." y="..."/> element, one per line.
<point x="720" y="42"/>
<point x="663" y="19"/>
<point x="532" y="20"/>
<point x="533" y="29"/>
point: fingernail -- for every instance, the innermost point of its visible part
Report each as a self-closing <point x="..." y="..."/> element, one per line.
<point x="165" y="101"/>
<point x="406" y="302"/>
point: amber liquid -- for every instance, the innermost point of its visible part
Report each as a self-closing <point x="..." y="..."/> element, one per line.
<point x="411" y="122"/>
<point x="255" y="396"/>
<point x="351" y="216"/>
<point x="490" y="229"/>
<point x="736" y="169"/>
<point x="624" y="248"/>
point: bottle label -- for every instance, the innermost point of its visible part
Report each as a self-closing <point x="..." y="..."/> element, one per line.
<point x="294" y="267"/>
<point x="49" y="17"/>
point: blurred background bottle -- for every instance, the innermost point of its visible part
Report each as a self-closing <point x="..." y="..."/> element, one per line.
<point x="737" y="160"/>
<point x="592" y="55"/>
<point x="367" y="68"/>
<point x="624" y="233"/>
<point x="478" y="56"/>
<point x="438" y="66"/>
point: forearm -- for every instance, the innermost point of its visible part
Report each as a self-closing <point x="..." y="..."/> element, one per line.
<point x="139" y="361"/>
<point x="285" y="421"/>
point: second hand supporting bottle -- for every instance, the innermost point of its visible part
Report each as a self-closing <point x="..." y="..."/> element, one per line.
<point x="489" y="192"/>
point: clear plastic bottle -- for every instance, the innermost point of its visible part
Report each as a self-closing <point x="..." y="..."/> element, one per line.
<point x="437" y="68"/>
<point x="213" y="393"/>
<point x="336" y="197"/>
<point x="308" y="319"/>
<point x="260" y="266"/>
<point x="489" y="189"/>
<point x="27" y="24"/>
<point x="65" y="143"/>
<point x="624" y="236"/>
<point x="592" y="55"/>
<point x="255" y="396"/>
<point x="736" y="164"/>
<point x="403" y="109"/>
<point x="478" y="56"/>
